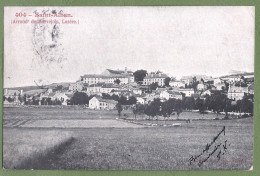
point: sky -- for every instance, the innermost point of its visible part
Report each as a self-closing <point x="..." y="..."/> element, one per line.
<point x="179" y="41"/>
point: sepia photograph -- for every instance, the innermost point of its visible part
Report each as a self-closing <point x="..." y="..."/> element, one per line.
<point x="128" y="87"/>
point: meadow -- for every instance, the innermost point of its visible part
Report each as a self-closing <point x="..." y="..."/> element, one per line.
<point x="80" y="138"/>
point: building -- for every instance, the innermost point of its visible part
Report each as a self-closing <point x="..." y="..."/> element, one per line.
<point x="237" y="93"/>
<point x="12" y="93"/>
<point x="99" y="103"/>
<point x="78" y="86"/>
<point x="251" y="88"/>
<point x="137" y="91"/>
<point x="200" y="86"/>
<point x="187" y="80"/>
<point x="220" y="86"/>
<point x="62" y="97"/>
<point x="217" y="81"/>
<point x="153" y="77"/>
<point x="205" y="78"/>
<point x="107" y="88"/>
<point x="140" y="100"/>
<point x="109" y="76"/>
<point x="231" y="79"/>
<point x="12" y="96"/>
<point x="179" y="84"/>
<point x="209" y="82"/>
<point x="249" y="80"/>
<point x="94" y="88"/>
<point x="206" y="92"/>
<point x="170" y="94"/>
<point x="187" y="92"/>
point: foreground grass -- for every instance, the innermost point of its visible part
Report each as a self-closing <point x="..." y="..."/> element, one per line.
<point x="22" y="148"/>
<point x="154" y="148"/>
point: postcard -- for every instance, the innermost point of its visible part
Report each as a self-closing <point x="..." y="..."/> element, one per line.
<point x="128" y="87"/>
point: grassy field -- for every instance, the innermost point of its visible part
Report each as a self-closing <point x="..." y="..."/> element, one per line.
<point x="33" y="134"/>
<point x="23" y="147"/>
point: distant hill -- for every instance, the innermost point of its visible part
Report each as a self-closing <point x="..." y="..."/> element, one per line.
<point x="239" y="74"/>
<point x="51" y="86"/>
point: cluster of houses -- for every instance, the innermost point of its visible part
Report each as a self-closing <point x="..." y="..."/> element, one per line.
<point x="122" y="83"/>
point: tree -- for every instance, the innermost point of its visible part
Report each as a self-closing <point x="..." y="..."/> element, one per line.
<point x="226" y="85"/>
<point x="227" y="106"/>
<point x="123" y="100"/>
<point x="167" y="81"/>
<point x="58" y="87"/>
<point x="135" y="110"/>
<point x="119" y="109"/>
<point x="154" y="86"/>
<point x="218" y="102"/>
<point x="200" y="105"/>
<point x="34" y="101"/>
<point x="20" y="98"/>
<point x="164" y="110"/>
<point x="170" y="104"/>
<point x="117" y="81"/>
<point x="188" y="103"/>
<point x="155" y="107"/>
<point x="10" y="100"/>
<point x="178" y="107"/>
<point x="167" y="108"/>
<point x="79" y="98"/>
<point x="115" y="97"/>
<point x="207" y="101"/>
<point x="139" y="75"/>
<point x="173" y="78"/>
<point x="132" y="100"/>
<point x="24" y="98"/>
<point x="49" y="101"/>
<point x="195" y="83"/>
<point x="246" y="105"/>
<point x="147" y="110"/>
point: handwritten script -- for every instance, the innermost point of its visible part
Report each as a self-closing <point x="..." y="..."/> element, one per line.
<point x="216" y="147"/>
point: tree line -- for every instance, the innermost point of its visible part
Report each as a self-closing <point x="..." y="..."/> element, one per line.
<point x="217" y="103"/>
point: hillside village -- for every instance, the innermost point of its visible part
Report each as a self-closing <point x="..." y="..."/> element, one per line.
<point x="107" y="89"/>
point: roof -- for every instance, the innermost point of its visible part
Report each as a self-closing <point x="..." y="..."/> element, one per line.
<point x="135" y="88"/>
<point x="237" y="89"/>
<point x="107" y="76"/>
<point x="161" y="89"/>
<point x="249" y="79"/>
<point x="51" y="94"/>
<point x="195" y="95"/>
<point x="187" y="89"/>
<point x="251" y="86"/>
<point x="186" y="77"/>
<point x="69" y="95"/>
<point x="118" y="71"/>
<point x="105" y="100"/>
<point x="174" y="92"/>
<point x="220" y="84"/>
<point x="110" y="85"/>
<point x="156" y="76"/>
<point x="177" y="82"/>
<point x="97" y="85"/>
<point x="12" y="92"/>
<point x="35" y="91"/>
<point x="209" y="81"/>
<point x="91" y="76"/>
